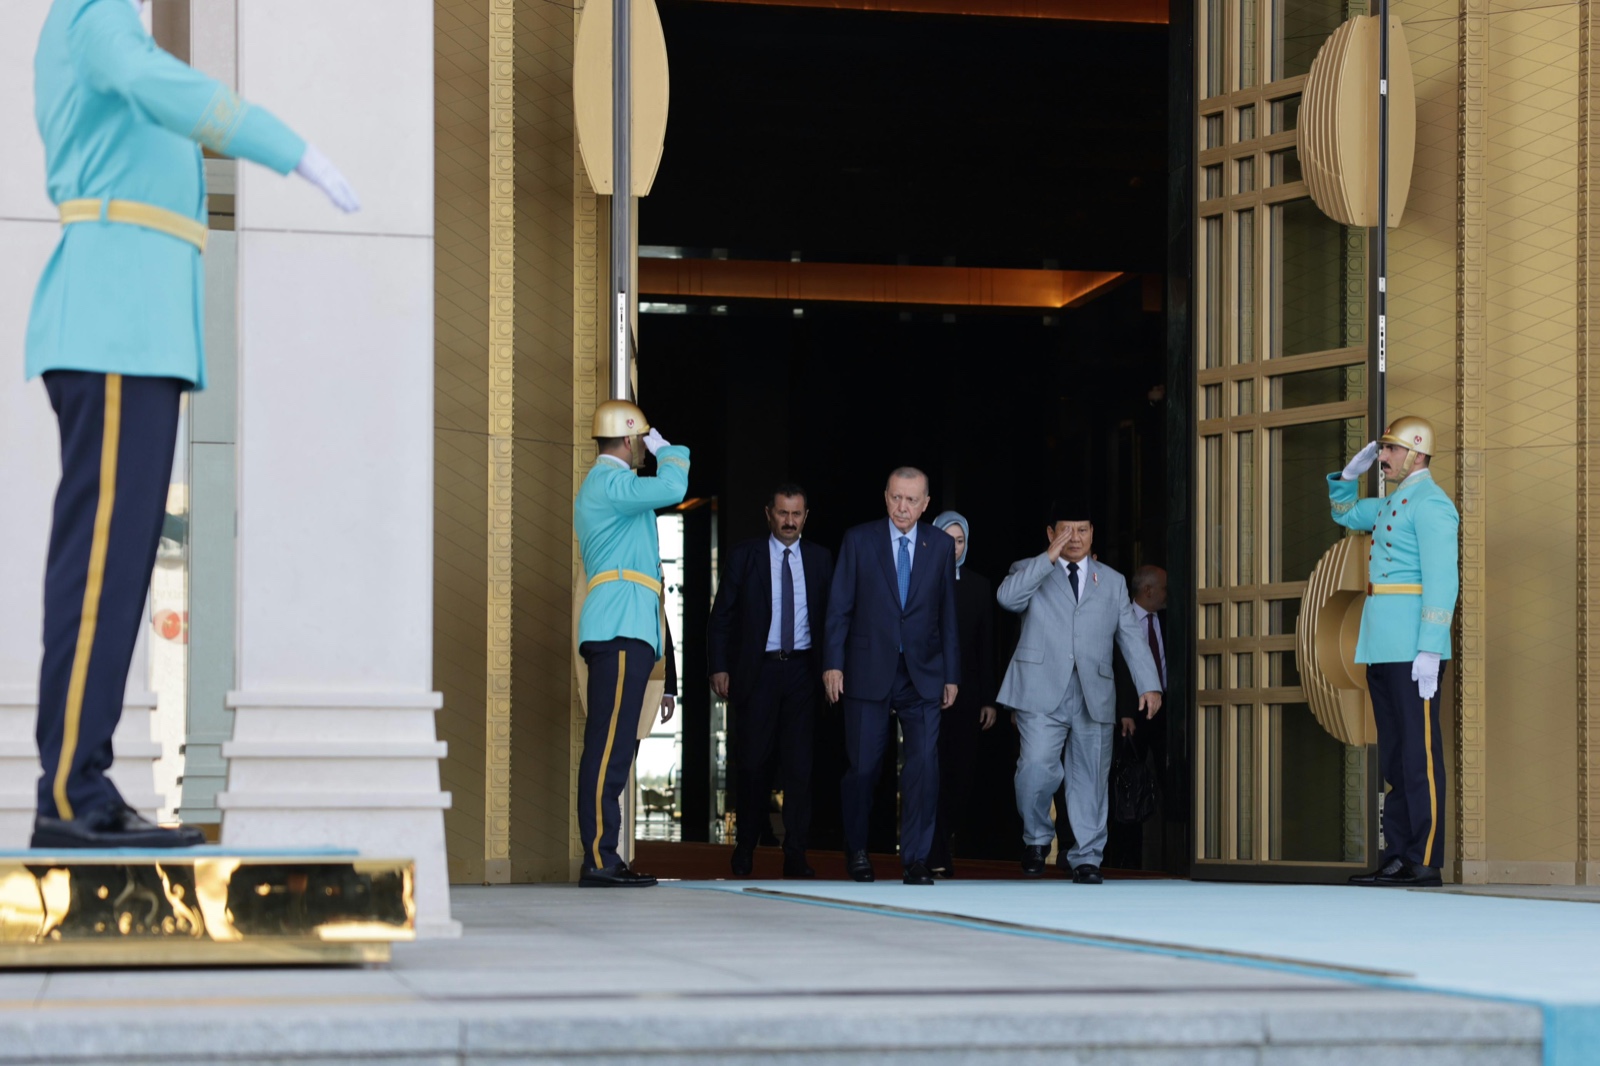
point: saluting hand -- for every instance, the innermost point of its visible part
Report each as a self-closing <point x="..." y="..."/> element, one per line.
<point x="654" y="441"/>
<point x="833" y="684"/>
<point x="1361" y="463"/>
<point x="1058" y="545"/>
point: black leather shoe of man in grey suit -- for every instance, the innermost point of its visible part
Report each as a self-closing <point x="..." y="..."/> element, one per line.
<point x="1033" y="860"/>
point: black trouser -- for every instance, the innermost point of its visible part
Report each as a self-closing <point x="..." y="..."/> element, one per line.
<point x="117" y="437"/>
<point x="959" y="731"/>
<point x="1411" y="758"/>
<point x="868" y="733"/>
<point x="780" y="712"/>
<point x="619" y="669"/>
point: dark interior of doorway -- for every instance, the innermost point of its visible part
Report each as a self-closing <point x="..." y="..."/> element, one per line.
<point x="872" y="137"/>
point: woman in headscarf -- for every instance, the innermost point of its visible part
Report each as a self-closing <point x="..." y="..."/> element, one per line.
<point x="974" y="710"/>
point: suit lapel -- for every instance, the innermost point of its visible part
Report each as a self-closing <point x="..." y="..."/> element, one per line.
<point x="1086" y="581"/>
<point x="762" y="567"/>
<point x="887" y="549"/>
<point x="921" y="559"/>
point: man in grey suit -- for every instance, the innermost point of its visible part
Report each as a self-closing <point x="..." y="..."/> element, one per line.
<point x="1060" y="685"/>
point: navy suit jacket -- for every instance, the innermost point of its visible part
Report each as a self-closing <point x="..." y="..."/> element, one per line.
<point x="741" y="617"/>
<point x="867" y="628"/>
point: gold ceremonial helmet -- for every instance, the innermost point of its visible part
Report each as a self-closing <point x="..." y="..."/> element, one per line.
<point x="619" y="418"/>
<point x="1410" y="432"/>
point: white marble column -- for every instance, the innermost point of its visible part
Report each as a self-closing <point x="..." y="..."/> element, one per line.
<point x="334" y="740"/>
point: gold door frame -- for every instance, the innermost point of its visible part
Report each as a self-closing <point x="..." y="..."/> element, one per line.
<point x="1246" y="148"/>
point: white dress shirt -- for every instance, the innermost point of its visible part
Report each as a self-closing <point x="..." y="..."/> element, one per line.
<point x="894" y="544"/>
<point x="802" y="618"/>
<point x="1083" y="573"/>
<point x="1141" y="614"/>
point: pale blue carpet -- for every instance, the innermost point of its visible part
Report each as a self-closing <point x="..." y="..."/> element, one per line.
<point x="1534" y="951"/>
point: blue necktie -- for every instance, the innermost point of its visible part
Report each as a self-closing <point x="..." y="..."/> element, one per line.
<point x="1072" y="576"/>
<point x="903" y="569"/>
<point x="786" y="611"/>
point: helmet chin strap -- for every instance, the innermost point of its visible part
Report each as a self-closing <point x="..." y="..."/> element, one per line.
<point x="1407" y="468"/>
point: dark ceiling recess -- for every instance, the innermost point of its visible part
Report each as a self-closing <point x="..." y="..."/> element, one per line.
<point x="869" y="136"/>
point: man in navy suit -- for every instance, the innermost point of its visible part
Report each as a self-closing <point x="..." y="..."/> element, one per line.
<point x="893" y="647"/>
<point x="765" y="652"/>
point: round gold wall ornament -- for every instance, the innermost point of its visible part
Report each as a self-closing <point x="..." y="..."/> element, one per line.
<point x="1338" y="124"/>
<point x="1325" y="643"/>
<point x="591" y="93"/>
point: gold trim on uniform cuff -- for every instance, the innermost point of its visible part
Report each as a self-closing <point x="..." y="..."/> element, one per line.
<point x="1437" y="616"/>
<point x="1342" y="508"/>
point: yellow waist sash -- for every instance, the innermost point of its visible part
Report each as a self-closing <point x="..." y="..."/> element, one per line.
<point x="634" y="576"/>
<point x="133" y="213"/>
<point x="1394" y="590"/>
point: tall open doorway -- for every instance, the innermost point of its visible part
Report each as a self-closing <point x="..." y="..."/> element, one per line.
<point x="897" y="237"/>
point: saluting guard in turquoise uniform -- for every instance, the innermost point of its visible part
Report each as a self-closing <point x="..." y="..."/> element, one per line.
<point x="619" y="629"/>
<point x="1413" y="576"/>
<point x="116" y="334"/>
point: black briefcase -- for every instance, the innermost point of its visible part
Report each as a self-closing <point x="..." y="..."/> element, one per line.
<point x="1134" y="791"/>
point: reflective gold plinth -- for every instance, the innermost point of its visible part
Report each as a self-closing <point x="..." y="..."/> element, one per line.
<point x="200" y="906"/>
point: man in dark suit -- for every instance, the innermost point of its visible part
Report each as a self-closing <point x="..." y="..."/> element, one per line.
<point x="765" y="646"/>
<point x="893" y="647"/>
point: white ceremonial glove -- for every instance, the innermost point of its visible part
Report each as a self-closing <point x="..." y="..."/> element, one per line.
<point x="1425" y="672"/>
<point x="1362" y="462"/>
<point x="319" y="170"/>
<point x="655" y="441"/>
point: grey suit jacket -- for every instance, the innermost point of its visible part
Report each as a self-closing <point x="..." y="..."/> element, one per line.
<point x="1060" y="634"/>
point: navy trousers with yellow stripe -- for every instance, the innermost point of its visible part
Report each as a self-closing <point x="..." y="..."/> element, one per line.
<point x="1411" y="758"/>
<point x="117" y="436"/>
<point x="619" y="669"/>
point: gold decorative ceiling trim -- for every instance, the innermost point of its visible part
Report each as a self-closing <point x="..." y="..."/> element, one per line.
<point x="501" y="429"/>
<point x="749" y="279"/>
<point x="1139" y="12"/>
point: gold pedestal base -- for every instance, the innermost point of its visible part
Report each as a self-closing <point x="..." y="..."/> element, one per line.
<point x="201" y="907"/>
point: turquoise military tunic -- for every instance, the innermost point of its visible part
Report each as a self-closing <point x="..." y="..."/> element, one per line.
<point x="122" y="120"/>
<point x="1414" y="543"/>
<point x="614" y="516"/>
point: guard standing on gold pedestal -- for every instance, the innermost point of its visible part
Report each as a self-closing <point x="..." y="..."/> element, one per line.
<point x="115" y="332"/>
<point x="619" y="629"/>
<point x="1413" y="579"/>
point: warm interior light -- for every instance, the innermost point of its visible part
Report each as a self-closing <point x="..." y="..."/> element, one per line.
<point x="750" y="279"/>
<point x="1153" y="12"/>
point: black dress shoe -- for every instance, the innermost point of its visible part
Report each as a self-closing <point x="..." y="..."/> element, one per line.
<point x="918" y="874"/>
<point x="111" y="827"/>
<point x="1033" y="860"/>
<point x="743" y="861"/>
<point x="945" y="870"/>
<point x="617" y="876"/>
<point x="1413" y="875"/>
<point x="859" y="867"/>
<point x="795" y="866"/>
<point x="1388" y="869"/>
<point x="1087" y="874"/>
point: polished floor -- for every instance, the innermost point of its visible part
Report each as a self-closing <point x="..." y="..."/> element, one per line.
<point x="680" y="975"/>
